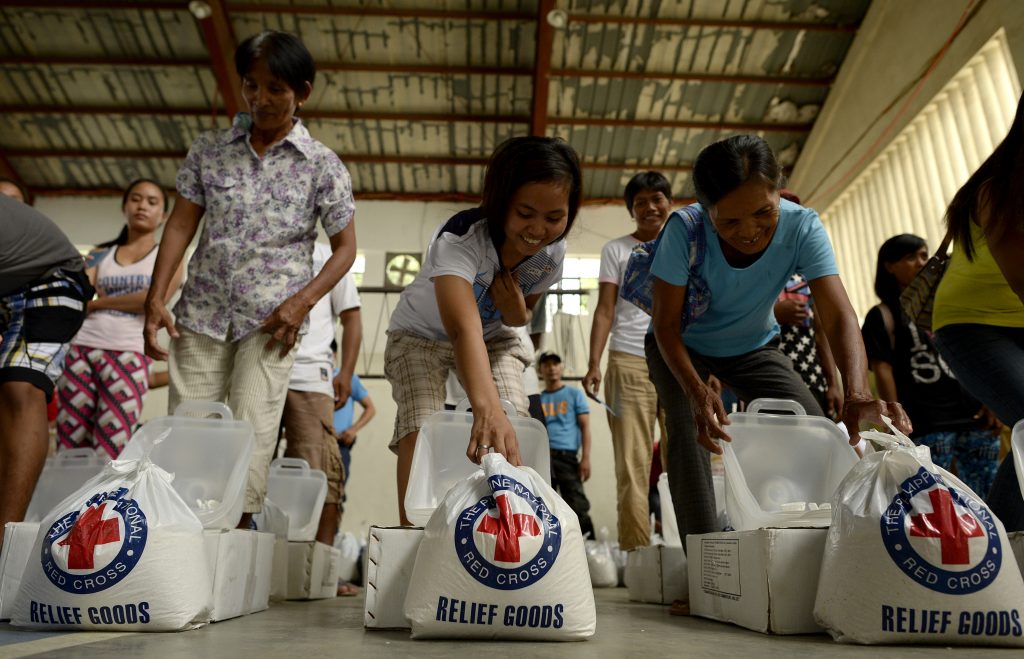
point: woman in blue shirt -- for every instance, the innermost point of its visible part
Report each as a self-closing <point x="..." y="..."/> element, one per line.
<point x="754" y="241"/>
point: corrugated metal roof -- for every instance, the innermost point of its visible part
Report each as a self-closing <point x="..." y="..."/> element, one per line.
<point x="414" y="94"/>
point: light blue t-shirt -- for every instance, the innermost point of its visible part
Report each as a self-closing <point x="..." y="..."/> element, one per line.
<point x="740" y="318"/>
<point x="561" y="407"/>
<point x="343" y="415"/>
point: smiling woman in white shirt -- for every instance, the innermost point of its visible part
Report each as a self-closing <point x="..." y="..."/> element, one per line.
<point x="483" y="274"/>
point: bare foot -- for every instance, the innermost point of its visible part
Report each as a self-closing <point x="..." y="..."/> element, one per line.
<point x="346" y="589"/>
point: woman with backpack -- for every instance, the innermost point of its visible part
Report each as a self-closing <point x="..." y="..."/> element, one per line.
<point x="908" y="368"/>
<point x="752" y="240"/>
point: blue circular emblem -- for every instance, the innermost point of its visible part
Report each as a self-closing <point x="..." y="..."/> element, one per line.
<point x="514" y="549"/>
<point x="941" y="520"/>
<point x="90" y="550"/>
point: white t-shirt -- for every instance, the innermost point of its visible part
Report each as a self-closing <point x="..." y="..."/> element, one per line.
<point x="463" y="248"/>
<point x="314" y="363"/>
<point x="110" y="329"/>
<point x="630" y="323"/>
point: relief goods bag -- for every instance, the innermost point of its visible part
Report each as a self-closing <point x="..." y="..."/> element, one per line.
<point x="914" y="556"/>
<point x="502" y="557"/>
<point x="123" y="553"/>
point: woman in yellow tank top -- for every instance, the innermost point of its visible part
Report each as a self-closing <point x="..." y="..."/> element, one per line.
<point x="979" y="307"/>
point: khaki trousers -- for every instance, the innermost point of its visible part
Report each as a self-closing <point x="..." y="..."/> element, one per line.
<point x="631" y="394"/>
<point x="252" y="381"/>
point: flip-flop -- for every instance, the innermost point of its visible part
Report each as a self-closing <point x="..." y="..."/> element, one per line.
<point x="346" y="589"/>
<point x="679" y="608"/>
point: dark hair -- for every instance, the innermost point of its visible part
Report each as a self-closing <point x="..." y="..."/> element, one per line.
<point x="886" y="287"/>
<point x="285" y="54"/>
<point x="522" y="160"/>
<point x="122" y="237"/>
<point x="21" y="188"/>
<point x="654" y="181"/>
<point x="997" y="178"/>
<point x="727" y="164"/>
<point x="549" y="357"/>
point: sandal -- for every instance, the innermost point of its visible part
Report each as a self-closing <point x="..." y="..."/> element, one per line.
<point x="679" y="608"/>
<point x="347" y="589"/>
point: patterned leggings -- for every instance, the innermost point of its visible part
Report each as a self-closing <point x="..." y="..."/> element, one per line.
<point x="976" y="453"/>
<point x="100" y="398"/>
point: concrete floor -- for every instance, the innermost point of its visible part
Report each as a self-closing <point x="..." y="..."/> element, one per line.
<point x="335" y="627"/>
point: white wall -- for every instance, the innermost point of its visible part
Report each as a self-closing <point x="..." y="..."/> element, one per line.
<point x="384" y="227"/>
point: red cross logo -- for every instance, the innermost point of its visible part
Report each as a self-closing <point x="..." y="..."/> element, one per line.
<point x="953" y="530"/>
<point x="89" y="530"/>
<point x="508" y="528"/>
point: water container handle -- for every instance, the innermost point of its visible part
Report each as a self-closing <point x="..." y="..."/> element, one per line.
<point x="510" y="409"/>
<point x="288" y="464"/>
<point x="204" y="407"/>
<point x="776" y="404"/>
<point x="76" y="455"/>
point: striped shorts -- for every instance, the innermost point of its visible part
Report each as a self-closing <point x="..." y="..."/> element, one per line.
<point x="417" y="368"/>
<point x="37" y="324"/>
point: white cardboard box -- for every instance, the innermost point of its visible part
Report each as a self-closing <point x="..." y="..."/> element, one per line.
<point x="765" y="580"/>
<point x="19" y="538"/>
<point x="657" y="575"/>
<point x="279" y="572"/>
<point x="390" y="558"/>
<point x="312" y="571"/>
<point x="240" y="564"/>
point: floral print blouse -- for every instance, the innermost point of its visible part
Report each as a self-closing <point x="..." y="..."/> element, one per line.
<point x="256" y="246"/>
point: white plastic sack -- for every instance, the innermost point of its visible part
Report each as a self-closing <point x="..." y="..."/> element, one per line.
<point x="502" y="557"/>
<point x="350" y="549"/>
<point x="914" y="556"/>
<point x="123" y="553"/>
<point x="604" y="572"/>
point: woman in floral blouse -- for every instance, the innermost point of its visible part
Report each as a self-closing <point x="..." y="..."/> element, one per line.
<point x="261" y="185"/>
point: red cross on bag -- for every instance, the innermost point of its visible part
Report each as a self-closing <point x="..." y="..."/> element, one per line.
<point x="89" y="530"/>
<point x="953" y="531"/>
<point x="508" y="528"/>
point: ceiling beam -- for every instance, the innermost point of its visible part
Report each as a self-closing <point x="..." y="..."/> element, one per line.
<point x="724" y="126"/>
<point x="383" y="12"/>
<point x="441" y="14"/>
<point x="150" y="5"/>
<point x="220" y="44"/>
<point x="545" y="39"/>
<point x="683" y="76"/>
<point x="342" y="115"/>
<point x="425" y="117"/>
<point x="664" y="21"/>
<point x="435" y="69"/>
<point x="354" y="158"/>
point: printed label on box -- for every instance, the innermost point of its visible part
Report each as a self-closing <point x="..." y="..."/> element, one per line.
<point x="720" y="567"/>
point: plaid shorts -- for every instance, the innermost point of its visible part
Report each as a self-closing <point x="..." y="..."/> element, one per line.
<point x="37" y="324"/>
<point x="417" y="369"/>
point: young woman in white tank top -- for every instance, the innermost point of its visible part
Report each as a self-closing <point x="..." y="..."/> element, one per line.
<point x="106" y="372"/>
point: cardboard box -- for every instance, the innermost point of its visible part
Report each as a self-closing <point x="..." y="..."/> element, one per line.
<point x="279" y="571"/>
<point x="257" y="591"/>
<point x="390" y="558"/>
<point x="312" y="571"/>
<point x="657" y="575"/>
<point x="765" y="580"/>
<point x="240" y="564"/>
<point x="19" y="539"/>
